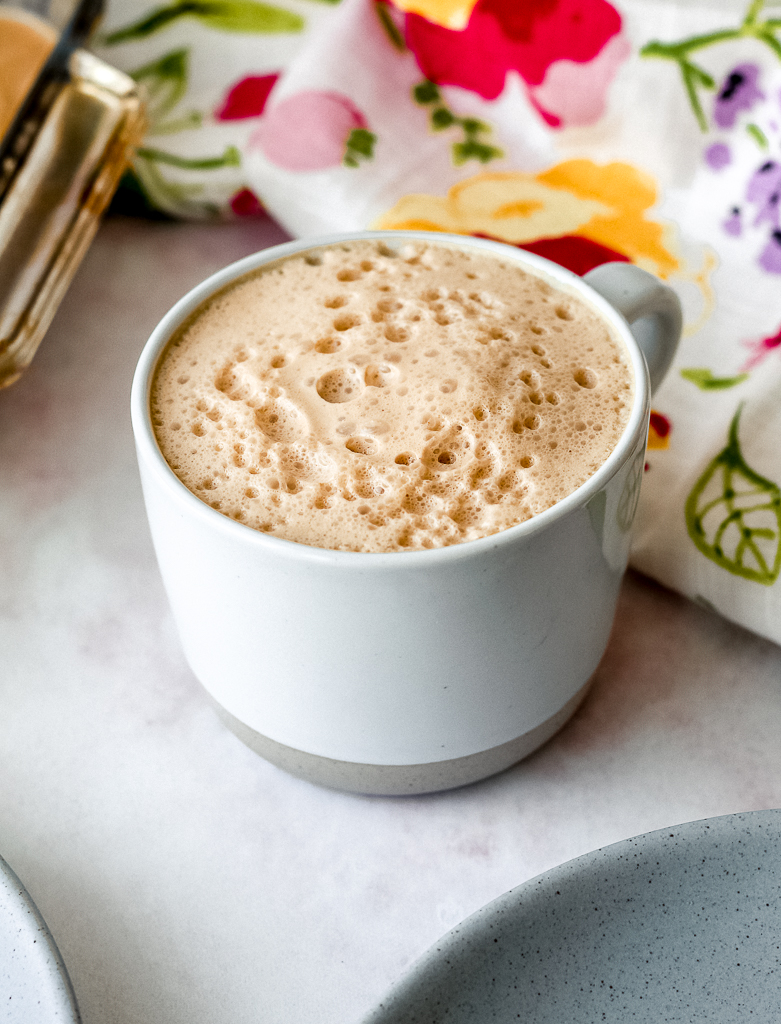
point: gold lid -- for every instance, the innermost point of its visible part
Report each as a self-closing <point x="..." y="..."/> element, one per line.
<point x="60" y="163"/>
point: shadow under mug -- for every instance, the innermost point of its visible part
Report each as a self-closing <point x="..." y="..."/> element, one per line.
<point x="407" y="672"/>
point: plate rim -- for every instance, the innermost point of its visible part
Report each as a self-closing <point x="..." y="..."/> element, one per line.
<point x="471" y="926"/>
<point x="61" y="987"/>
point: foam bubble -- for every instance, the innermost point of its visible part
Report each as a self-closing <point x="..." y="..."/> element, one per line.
<point x="586" y="377"/>
<point x="346" y="321"/>
<point x="362" y="445"/>
<point x="380" y="375"/>
<point x="280" y="420"/>
<point x="327" y="346"/>
<point x="396" y="333"/>
<point x="340" y="385"/>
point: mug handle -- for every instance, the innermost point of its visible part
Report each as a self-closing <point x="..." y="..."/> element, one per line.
<point x="652" y="310"/>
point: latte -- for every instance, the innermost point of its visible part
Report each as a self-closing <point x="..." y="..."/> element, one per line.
<point x="362" y="399"/>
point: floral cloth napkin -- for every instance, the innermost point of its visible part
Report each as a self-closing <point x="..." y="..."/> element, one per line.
<point x="583" y="130"/>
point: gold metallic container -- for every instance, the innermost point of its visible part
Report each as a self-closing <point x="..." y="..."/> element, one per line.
<point x="60" y="163"/>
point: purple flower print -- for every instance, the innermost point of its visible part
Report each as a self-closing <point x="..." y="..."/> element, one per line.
<point x="718" y="156"/>
<point x="770" y="257"/>
<point x="764" y="189"/>
<point x="738" y="92"/>
<point x="733" y="225"/>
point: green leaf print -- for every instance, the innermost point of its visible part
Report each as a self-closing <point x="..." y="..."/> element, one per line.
<point x="472" y="149"/>
<point x="246" y="16"/>
<point x="164" y="81"/>
<point x="733" y="515"/>
<point x="441" y="117"/>
<point x="176" y="198"/>
<point x="425" y="92"/>
<point x="705" y="380"/>
<point x="359" y="146"/>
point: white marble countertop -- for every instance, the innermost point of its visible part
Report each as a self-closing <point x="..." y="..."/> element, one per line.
<point x="187" y="881"/>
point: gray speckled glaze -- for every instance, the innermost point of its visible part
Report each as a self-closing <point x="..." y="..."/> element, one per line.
<point x="34" y="985"/>
<point x="679" y="925"/>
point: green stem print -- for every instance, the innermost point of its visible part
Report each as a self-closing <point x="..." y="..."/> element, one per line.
<point x="176" y="198"/>
<point x="754" y="26"/>
<point x="758" y="136"/>
<point x="389" y="25"/>
<point x="733" y="515"/>
<point x="230" y="158"/>
<point x="247" y="16"/>
<point x="164" y="82"/>
<point x="705" y="380"/>
<point x="426" y="94"/>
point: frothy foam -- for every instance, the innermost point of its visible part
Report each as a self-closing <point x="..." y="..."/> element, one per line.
<point x="360" y="399"/>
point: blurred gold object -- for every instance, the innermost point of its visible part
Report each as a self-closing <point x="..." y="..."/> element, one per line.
<point x="60" y="164"/>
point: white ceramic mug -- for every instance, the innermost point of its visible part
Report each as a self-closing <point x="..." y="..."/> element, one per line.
<point x="417" y="671"/>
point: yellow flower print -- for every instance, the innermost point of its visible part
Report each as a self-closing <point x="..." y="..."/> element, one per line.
<point x="515" y="207"/>
<point x="628" y="193"/>
<point x="452" y="14"/>
<point x="577" y="213"/>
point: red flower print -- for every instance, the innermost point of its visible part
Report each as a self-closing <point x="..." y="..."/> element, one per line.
<point x="760" y="349"/>
<point x="246" y="98"/>
<point x="246" y="204"/>
<point x="575" y="253"/>
<point x="571" y="251"/>
<point x="528" y="37"/>
<point x="659" y="429"/>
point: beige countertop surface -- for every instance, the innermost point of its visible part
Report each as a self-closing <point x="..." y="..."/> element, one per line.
<point x="187" y="881"/>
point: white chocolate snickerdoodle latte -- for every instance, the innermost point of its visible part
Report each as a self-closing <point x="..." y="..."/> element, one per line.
<point x="356" y="398"/>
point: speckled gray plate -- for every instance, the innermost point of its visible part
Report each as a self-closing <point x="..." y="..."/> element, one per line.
<point x="678" y="925"/>
<point x="34" y="985"/>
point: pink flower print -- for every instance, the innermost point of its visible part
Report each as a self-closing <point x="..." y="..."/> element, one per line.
<point x="764" y="190"/>
<point x="738" y="92"/>
<point x="246" y="98"/>
<point x="308" y="131"/>
<point x="770" y="257"/>
<point x="576" y="94"/>
<point x="760" y="349"/>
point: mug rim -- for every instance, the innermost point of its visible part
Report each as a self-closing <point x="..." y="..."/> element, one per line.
<point x="149" y="449"/>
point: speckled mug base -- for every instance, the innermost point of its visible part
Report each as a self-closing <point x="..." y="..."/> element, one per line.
<point x="400" y="779"/>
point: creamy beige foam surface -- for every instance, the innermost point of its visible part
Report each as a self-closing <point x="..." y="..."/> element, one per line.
<point x="365" y="400"/>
